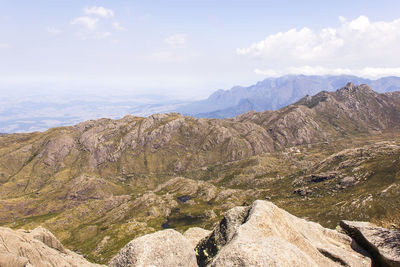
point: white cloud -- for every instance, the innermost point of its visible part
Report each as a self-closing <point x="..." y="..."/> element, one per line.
<point x="53" y="30"/>
<point x="176" y="40"/>
<point x="349" y="47"/>
<point x="99" y="11"/>
<point x="4" y="45"/>
<point x="88" y="22"/>
<point x="118" y="26"/>
<point x="368" y="72"/>
<point x="92" y="26"/>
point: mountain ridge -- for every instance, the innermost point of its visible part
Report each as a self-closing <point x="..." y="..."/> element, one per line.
<point x="274" y="93"/>
<point x="350" y="110"/>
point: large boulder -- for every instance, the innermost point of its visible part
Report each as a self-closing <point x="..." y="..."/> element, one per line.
<point x="167" y="248"/>
<point x="20" y="248"/>
<point x="265" y="235"/>
<point x="383" y="244"/>
<point x="47" y="238"/>
<point x="195" y="234"/>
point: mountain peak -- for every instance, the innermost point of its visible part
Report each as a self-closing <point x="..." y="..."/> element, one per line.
<point x="350" y="86"/>
<point x="351" y="89"/>
<point x="312" y="101"/>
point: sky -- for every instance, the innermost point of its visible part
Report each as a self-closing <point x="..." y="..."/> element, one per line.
<point x="188" y="49"/>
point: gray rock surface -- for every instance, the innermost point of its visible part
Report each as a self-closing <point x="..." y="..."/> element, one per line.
<point x="265" y="235"/>
<point x="383" y="244"/>
<point x="195" y="235"/>
<point x="47" y="238"/>
<point x="39" y="247"/>
<point x="167" y="248"/>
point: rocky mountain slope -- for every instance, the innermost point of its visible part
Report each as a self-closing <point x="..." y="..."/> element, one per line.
<point x="350" y="110"/>
<point x="171" y="142"/>
<point x="99" y="184"/>
<point x="275" y="93"/>
<point x="260" y="234"/>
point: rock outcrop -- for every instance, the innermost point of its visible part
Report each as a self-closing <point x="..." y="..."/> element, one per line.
<point x="36" y="248"/>
<point x="265" y="235"/>
<point x="166" y="248"/>
<point x="257" y="235"/>
<point x="383" y="244"/>
<point x="47" y="238"/>
<point x="195" y="235"/>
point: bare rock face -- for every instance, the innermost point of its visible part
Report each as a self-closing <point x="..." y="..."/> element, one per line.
<point x="383" y="244"/>
<point x="184" y="186"/>
<point x="84" y="187"/>
<point x="265" y="235"/>
<point x="35" y="248"/>
<point x="196" y="234"/>
<point x="56" y="149"/>
<point x="166" y="248"/>
<point x="47" y="238"/>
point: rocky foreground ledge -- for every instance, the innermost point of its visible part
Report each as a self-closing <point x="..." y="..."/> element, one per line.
<point x="258" y="235"/>
<point x="39" y="247"/>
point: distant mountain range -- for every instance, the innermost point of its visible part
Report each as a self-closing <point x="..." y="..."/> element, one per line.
<point x="275" y="93"/>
